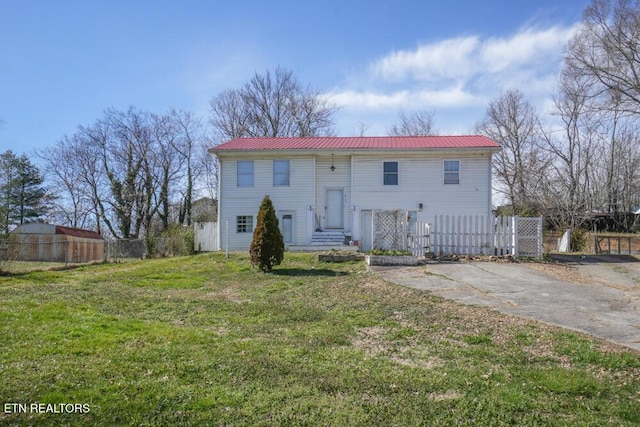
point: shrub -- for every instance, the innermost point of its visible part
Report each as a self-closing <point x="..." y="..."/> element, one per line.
<point x="267" y="246"/>
<point x="176" y="240"/>
<point x="579" y="240"/>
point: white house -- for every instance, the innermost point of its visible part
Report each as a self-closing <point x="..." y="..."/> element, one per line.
<point x="326" y="188"/>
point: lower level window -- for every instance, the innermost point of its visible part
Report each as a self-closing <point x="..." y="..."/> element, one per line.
<point x="244" y="224"/>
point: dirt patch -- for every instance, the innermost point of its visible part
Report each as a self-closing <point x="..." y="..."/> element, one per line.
<point x="229" y="293"/>
<point x="375" y="342"/>
<point x="447" y="395"/>
<point x="371" y="340"/>
<point x="563" y="272"/>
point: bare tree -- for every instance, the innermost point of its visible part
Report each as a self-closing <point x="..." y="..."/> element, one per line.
<point x="208" y="166"/>
<point x="133" y="172"/>
<point x="618" y="152"/>
<point x="570" y="184"/>
<point x="189" y="141"/>
<point x="271" y="105"/>
<point x="363" y="127"/>
<point x="418" y="123"/>
<point x="512" y="121"/>
<point x="72" y="204"/>
<point x="606" y="48"/>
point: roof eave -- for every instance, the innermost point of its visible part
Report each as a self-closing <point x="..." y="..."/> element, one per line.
<point x="396" y="151"/>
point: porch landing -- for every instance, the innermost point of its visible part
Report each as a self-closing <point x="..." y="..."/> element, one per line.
<point x="323" y="248"/>
<point x="326" y="240"/>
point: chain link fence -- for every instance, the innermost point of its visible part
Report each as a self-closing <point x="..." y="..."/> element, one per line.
<point x="117" y="249"/>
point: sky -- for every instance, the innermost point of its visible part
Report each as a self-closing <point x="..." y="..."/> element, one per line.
<point x="64" y="62"/>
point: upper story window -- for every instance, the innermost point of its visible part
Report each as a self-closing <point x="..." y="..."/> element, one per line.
<point x="281" y="170"/>
<point x="390" y="173"/>
<point x="245" y="173"/>
<point x="452" y="172"/>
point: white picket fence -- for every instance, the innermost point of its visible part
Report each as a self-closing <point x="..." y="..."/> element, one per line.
<point x="477" y="235"/>
<point x="205" y="236"/>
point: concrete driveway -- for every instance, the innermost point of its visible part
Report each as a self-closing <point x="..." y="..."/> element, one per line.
<point x="599" y="296"/>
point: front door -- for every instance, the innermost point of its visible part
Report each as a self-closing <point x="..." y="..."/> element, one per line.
<point x="287" y="228"/>
<point x="335" y="209"/>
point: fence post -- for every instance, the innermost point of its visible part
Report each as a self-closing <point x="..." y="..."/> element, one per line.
<point x="540" y="238"/>
<point x="491" y="234"/>
<point x="227" y="238"/>
<point x="514" y="236"/>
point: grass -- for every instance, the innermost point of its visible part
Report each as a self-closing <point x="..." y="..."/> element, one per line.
<point x="205" y="340"/>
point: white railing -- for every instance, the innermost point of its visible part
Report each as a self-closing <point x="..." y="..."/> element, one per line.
<point x="419" y="241"/>
<point x="477" y="235"/>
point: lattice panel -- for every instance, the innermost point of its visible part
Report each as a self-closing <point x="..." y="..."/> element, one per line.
<point x="390" y="230"/>
<point x="530" y="237"/>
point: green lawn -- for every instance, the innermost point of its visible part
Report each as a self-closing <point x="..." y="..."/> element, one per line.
<point x="203" y="340"/>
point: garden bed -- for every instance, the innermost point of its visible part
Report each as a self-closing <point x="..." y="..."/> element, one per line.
<point x="338" y="257"/>
<point x="391" y="260"/>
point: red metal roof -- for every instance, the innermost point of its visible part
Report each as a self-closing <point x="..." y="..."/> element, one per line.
<point x="359" y="143"/>
<point x="77" y="232"/>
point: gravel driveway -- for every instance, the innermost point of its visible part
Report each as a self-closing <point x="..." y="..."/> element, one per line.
<point x="599" y="296"/>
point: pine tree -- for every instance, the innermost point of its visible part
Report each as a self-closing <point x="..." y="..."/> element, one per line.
<point x="267" y="246"/>
<point x="22" y="195"/>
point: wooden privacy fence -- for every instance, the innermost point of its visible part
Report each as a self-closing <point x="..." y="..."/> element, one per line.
<point x="477" y="235"/>
<point x="52" y="248"/>
<point x="206" y="236"/>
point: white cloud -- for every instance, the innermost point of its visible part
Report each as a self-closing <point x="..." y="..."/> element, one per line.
<point x="464" y="57"/>
<point x="457" y="77"/>
<point x="447" y="58"/>
<point x="525" y="48"/>
<point x="368" y="100"/>
<point x="454" y="96"/>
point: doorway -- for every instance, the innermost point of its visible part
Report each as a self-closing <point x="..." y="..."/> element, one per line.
<point x="286" y="225"/>
<point x="335" y="208"/>
<point x="366" y="232"/>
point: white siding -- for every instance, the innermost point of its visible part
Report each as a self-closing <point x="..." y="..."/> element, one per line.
<point x="236" y="201"/>
<point x="421" y="180"/>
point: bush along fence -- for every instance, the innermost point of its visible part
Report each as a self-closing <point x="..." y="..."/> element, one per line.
<point x="458" y="235"/>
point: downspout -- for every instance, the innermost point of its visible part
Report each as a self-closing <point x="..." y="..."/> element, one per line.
<point x="490" y="174"/>
<point x="219" y="225"/>
<point x="312" y="226"/>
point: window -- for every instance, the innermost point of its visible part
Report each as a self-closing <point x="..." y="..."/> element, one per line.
<point x="245" y="173"/>
<point x="280" y="173"/>
<point x="452" y="172"/>
<point x="244" y="224"/>
<point x="390" y="172"/>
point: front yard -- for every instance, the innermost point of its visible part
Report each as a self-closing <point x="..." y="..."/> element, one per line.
<point x="204" y="340"/>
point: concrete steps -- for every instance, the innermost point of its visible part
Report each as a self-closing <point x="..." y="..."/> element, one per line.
<point x="327" y="238"/>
